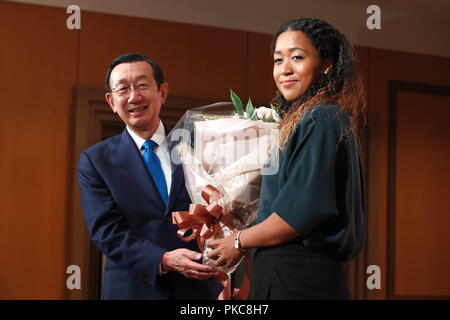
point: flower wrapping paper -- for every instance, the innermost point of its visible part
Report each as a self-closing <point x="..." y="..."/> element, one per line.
<point x="230" y="154"/>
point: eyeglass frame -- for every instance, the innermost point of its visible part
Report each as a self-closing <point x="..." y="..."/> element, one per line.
<point x="133" y="86"/>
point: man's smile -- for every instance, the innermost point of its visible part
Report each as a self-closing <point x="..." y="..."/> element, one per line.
<point x="138" y="109"/>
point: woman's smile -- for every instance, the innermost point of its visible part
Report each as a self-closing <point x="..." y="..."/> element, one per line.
<point x="297" y="64"/>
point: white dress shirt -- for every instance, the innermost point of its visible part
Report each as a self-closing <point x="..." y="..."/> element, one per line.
<point x="162" y="151"/>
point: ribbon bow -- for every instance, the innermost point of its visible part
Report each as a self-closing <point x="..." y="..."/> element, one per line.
<point x="204" y="221"/>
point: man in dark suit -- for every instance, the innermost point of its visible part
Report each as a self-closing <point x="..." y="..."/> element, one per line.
<point x="129" y="188"/>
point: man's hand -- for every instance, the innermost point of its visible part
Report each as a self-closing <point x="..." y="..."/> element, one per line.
<point x="183" y="261"/>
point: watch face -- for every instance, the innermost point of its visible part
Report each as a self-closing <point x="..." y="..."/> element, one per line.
<point x="236" y="243"/>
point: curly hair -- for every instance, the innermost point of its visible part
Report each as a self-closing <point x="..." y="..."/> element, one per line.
<point x="341" y="85"/>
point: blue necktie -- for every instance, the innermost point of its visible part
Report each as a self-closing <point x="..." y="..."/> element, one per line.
<point x="154" y="167"/>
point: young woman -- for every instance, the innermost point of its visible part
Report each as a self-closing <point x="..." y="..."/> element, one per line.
<point x="311" y="217"/>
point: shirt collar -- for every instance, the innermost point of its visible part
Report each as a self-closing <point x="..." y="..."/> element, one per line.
<point x="158" y="136"/>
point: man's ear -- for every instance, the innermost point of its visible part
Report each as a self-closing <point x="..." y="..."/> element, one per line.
<point x="164" y="91"/>
<point x="110" y="100"/>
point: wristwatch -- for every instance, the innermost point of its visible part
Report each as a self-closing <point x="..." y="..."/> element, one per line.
<point x="237" y="243"/>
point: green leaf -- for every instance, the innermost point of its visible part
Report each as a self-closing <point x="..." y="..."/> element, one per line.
<point x="273" y="107"/>
<point x="251" y="114"/>
<point x="237" y="103"/>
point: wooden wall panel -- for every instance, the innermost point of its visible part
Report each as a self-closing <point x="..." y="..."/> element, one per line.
<point x="261" y="86"/>
<point x="422" y="240"/>
<point x="385" y="66"/>
<point x="362" y="58"/>
<point x="197" y="61"/>
<point x="37" y="73"/>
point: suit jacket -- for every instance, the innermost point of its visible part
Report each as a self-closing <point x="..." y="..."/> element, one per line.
<point x="129" y="223"/>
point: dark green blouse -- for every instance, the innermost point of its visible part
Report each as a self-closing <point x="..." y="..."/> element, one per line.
<point x="318" y="188"/>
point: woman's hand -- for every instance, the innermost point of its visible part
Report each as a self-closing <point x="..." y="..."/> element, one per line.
<point x="224" y="251"/>
<point x="271" y="232"/>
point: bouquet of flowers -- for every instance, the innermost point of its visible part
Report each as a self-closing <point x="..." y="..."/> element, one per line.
<point x="224" y="154"/>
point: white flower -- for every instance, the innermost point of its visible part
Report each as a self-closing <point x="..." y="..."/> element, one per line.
<point x="263" y="113"/>
<point x="275" y="115"/>
<point x="259" y="113"/>
<point x="267" y="114"/>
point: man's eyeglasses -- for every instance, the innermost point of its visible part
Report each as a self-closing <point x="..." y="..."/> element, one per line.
<point x="124" y="91"/>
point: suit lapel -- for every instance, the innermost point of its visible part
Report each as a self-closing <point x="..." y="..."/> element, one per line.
<point x="177" y="174"/>
<point x="131" y="160"/>
<point x="177" y="183"/>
